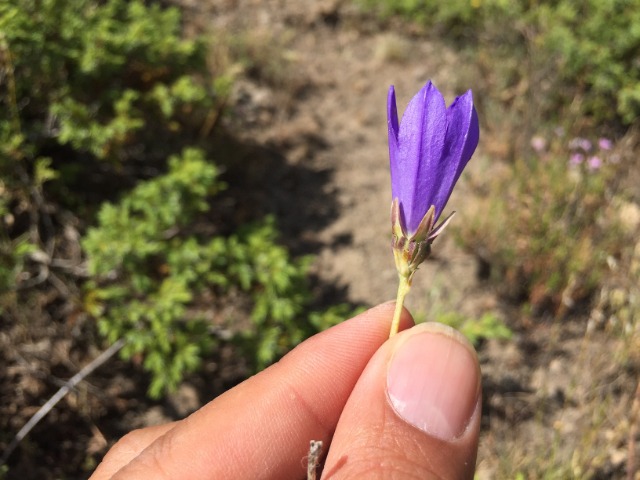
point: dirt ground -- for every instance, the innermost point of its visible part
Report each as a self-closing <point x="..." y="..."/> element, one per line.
<point x="553" y="397"/>
<point x="342" y="73"/>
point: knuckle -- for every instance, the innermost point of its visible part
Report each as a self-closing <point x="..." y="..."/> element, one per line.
<point x="130" y="444"/>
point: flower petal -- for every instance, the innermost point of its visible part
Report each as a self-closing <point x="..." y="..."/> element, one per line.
<point x="392" y="124"/>
<point x="461" y="140"/>
<point x="421" y="142"/>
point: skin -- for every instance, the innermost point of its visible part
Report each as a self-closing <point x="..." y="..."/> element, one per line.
<point x="332" y="387"/>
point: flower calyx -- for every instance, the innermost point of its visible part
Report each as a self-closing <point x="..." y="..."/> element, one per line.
<point x="410" y="250"/>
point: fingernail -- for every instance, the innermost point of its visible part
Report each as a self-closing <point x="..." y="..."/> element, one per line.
<point x="433" y="380"/>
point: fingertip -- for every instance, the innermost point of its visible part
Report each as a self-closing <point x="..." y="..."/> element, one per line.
<point x="433" y="380"/>
<point x="417" y="406"/>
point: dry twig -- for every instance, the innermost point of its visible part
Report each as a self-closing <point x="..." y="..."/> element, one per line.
<point x="59" y="395"/>
<point x="313" y="460"/>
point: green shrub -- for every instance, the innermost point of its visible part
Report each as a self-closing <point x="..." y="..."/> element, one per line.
<point x="486" y="327"/>
<point x="149" y="275"/>
<point x="87" y="81"/>
<point x="585" y="50"/>
<point x="98" y="95"/>
<point x="88" y="74"/>
<point x="596" y="44"/>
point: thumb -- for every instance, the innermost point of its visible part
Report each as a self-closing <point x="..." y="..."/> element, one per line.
<point x="415" y="411"/>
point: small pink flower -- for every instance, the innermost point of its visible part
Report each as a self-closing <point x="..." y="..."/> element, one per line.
<point x="580" y="143"/>
<point x="585" y="144"/>
<point x="594" y="163"/>
<point x="576" y="159"/>
<point x="605" y="144"/>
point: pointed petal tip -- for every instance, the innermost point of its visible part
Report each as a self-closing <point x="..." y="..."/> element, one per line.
<point x="391" y="103"/>
<point x="391" y="97"/>
<point x="392" y="114"/>
<point x="430" y="89"/>
<point x="465" y="100"/>
<point x="429" y="84"/>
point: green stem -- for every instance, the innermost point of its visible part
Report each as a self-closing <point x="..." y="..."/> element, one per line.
<point x="403" y="288"/>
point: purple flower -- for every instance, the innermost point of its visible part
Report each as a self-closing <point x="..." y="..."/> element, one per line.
<point x="428" y="151"/>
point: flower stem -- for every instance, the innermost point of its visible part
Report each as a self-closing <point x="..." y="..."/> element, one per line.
<point x="403" y="289"/>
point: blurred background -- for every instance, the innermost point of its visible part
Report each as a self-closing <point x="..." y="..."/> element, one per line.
<point x="204" y="184"/>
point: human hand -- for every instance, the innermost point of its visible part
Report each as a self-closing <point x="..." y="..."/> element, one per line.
<point x="406" y="407"/>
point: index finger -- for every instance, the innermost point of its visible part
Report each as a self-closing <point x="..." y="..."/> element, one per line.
<point x="261" y="429"/>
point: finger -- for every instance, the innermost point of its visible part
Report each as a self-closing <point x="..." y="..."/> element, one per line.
<point x="262" y="428"/>
<point x="128" y="448"/>
<point x="415" y="411"/>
